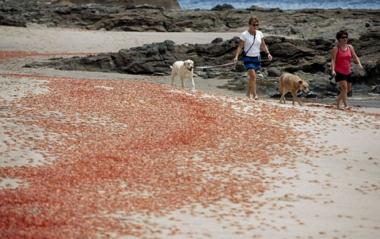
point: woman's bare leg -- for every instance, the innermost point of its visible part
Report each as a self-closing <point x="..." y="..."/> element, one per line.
<point x="349" y="89"/>
<point x="342" y="94"/>
<point x="252" y="84"/>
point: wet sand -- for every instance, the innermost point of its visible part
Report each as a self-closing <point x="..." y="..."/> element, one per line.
<point x="319" y="180"/>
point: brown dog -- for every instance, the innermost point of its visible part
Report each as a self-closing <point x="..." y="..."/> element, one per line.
<point x="292" y="83"/>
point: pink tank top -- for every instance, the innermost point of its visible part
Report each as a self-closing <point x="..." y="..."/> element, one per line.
<point x="343" y="61"/>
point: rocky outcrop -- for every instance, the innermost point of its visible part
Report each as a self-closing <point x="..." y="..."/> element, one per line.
<point x="368" y="48"/>
<point x="87" y="14"/>
<point x="308" y="58"/>
<point x="150" y="59"/>
<point x="300" y="41"/>
<point x="162" y="16"/>
<point x="166" y="4"/>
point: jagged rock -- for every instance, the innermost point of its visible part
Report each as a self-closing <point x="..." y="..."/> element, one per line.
<point x="165" y="4"/>
<point x="375" y="89"/>
<point x="158" y="15"/>
<point x="257" y="8"/>
<point x="368" y="48"/>
<point x="12" y="22"/>
<point x="290" y="51"/>
<point x="222" y="7"/>
<point x="288" y="55"/>
<point x="312" y="36"/>
<point x="217" y="40"/>
<point x="273" y="72"/>
<point x="150" y="58"/>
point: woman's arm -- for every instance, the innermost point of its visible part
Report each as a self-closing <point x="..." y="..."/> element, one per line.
<point x="333" y="59"/>
<point x="238" y="50"/>
<point x="356" y="58"/>
<point x="264" y="48"/>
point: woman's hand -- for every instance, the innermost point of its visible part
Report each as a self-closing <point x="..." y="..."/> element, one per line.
<point x="270" y="57"/>
<point x="235" y="59"/>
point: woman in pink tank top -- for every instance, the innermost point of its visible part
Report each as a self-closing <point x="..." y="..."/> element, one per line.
<point x="341" y="56"/>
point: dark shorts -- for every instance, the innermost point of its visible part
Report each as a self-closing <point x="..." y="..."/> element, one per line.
<point x="252" y="63"/>
<point x="342" y="77"/>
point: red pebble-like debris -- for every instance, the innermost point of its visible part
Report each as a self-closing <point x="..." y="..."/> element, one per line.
<point x="115" y="145"/>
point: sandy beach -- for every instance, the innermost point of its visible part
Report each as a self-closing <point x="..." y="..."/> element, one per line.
<point x="107" y="155"/>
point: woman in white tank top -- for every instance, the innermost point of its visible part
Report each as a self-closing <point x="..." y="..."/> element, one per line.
<point x="252" y="42"/>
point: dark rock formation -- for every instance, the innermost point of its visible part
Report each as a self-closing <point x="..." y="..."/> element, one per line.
<point x="222" y="7"/>
<point x="149" y="59"/>
<point x="376" y="89"/>
<point x="368" y="49"/>
<point x="163" y="15"/>
<point x="165" y="4"/>
<point x="308" y="58"/>
<point x="300" y="43"/>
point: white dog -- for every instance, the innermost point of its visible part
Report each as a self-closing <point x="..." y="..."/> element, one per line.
<point x="183" y="70"/>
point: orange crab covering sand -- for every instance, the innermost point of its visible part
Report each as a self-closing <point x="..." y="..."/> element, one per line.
<point x="114" y="145"/>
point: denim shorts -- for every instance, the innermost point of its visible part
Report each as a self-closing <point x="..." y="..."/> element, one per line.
<point x="252" y="63"/>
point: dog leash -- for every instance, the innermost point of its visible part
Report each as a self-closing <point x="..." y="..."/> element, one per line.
<point x="216" y="66"/>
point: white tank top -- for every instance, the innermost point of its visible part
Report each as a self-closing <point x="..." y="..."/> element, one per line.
<point x="248" y="40"/>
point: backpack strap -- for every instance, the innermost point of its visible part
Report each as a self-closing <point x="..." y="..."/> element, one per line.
<point x="254" y="39"/>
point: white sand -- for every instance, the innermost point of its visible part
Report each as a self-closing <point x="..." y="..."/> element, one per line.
<point x="66" y="40"/>
<point x="325" y="196"/>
